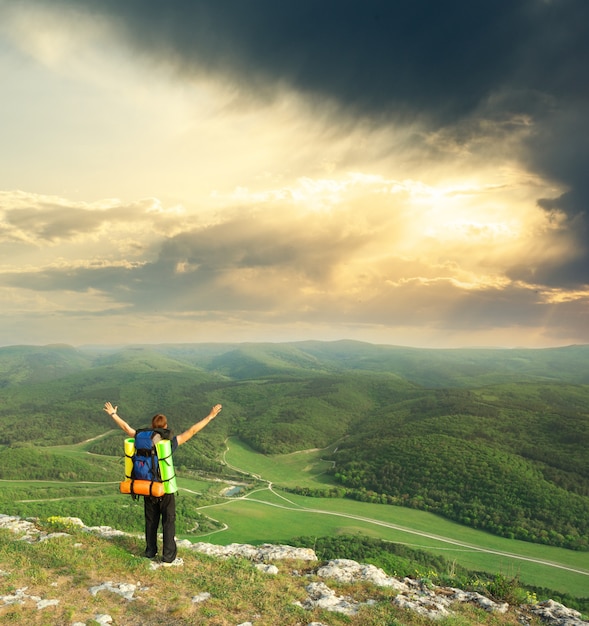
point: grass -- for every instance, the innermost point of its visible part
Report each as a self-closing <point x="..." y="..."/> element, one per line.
<point x="298" y="469"/>
<point x="67" y="568"/>
<point x="265" y="520"/>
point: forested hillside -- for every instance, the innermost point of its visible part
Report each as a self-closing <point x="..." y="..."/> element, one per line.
<point x="511" y="459"/>
<point x="496" y="439"/>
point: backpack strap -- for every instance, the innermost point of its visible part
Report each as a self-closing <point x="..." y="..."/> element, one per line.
<point x="164" y="433"/>
<point x="155" y="489"/>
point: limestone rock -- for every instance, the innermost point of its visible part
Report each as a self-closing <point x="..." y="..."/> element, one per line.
<point x="126" y="590"/>
<point x="257" y="554"/>
<point x="347" y="571"/>
<point x="321" y="596"/>
<point x="266" y="568"/>
<point x="557" y="614"/>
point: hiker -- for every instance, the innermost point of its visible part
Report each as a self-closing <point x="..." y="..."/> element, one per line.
<point x="163" y="508"/>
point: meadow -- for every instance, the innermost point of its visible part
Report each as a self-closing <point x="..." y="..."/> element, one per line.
<point x="277" y="515"/>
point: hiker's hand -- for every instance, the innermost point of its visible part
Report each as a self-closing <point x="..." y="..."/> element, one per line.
<point x="215" y="411"/>
<point x="110" y="409"/>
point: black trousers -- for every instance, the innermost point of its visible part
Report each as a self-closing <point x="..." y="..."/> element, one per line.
<point x="163" y="508"/>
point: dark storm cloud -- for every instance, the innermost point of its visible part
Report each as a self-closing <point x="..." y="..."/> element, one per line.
<point x="441" y="62"/>
<point x="426" y="56"/>
<point x="421" y="56"/>
<point x="561" y="151"/>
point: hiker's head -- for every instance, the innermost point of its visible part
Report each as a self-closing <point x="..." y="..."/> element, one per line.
<point x="159" y="421"/>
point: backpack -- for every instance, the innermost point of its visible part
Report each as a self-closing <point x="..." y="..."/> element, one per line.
<point x="145" y="460"/>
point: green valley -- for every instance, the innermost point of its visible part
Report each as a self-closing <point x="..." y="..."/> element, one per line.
<point x="477" y="456"/>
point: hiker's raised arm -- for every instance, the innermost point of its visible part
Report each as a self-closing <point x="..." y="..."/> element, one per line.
<point x="188" y="434"/>
<point x="112" y="411"/>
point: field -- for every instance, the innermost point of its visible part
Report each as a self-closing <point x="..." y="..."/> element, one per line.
<point x="298" y="469"/>
<point x="273" y="516"/>
<point x="265" y="513"/>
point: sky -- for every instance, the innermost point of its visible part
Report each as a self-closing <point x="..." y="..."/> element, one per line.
<point x="405" y="172"/>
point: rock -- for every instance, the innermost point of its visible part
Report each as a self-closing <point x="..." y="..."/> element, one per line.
<point x="42" y="604"/>
<point x="258" y="554"/>
<point x="233" y="549"/>
<point x="321" y="596"/>
<point x="201" y="597"/>
<point x="25" y="528"/>
<point x="20" y="597"/>
<point x="104" y="531"/>
<point x="75" y="521"/>
<point x="347" y="571"/>
<point x="269" y="552"/>
<point x="177" y="562"/>
<point x="126" y="590"/>
<point x="557" y="614"/>
<point x="480" y="600"/>
<point x="267" y="569"/>
<point x="428" y="605"/>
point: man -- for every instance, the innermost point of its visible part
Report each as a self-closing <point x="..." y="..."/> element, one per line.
<point x="163" y="508"/>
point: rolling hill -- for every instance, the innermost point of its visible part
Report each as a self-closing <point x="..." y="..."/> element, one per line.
<point x="495" y="439"/>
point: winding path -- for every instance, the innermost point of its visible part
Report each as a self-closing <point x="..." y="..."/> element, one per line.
<point x="293" y="506"/>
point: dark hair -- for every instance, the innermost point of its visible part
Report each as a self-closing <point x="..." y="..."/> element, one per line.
<point x="159" y="421"/>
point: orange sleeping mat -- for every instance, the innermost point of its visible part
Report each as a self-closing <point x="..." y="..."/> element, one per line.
<point x="142" y="488"/>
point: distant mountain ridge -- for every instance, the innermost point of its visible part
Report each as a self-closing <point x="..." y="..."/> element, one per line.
<point x="427" y="367"/>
